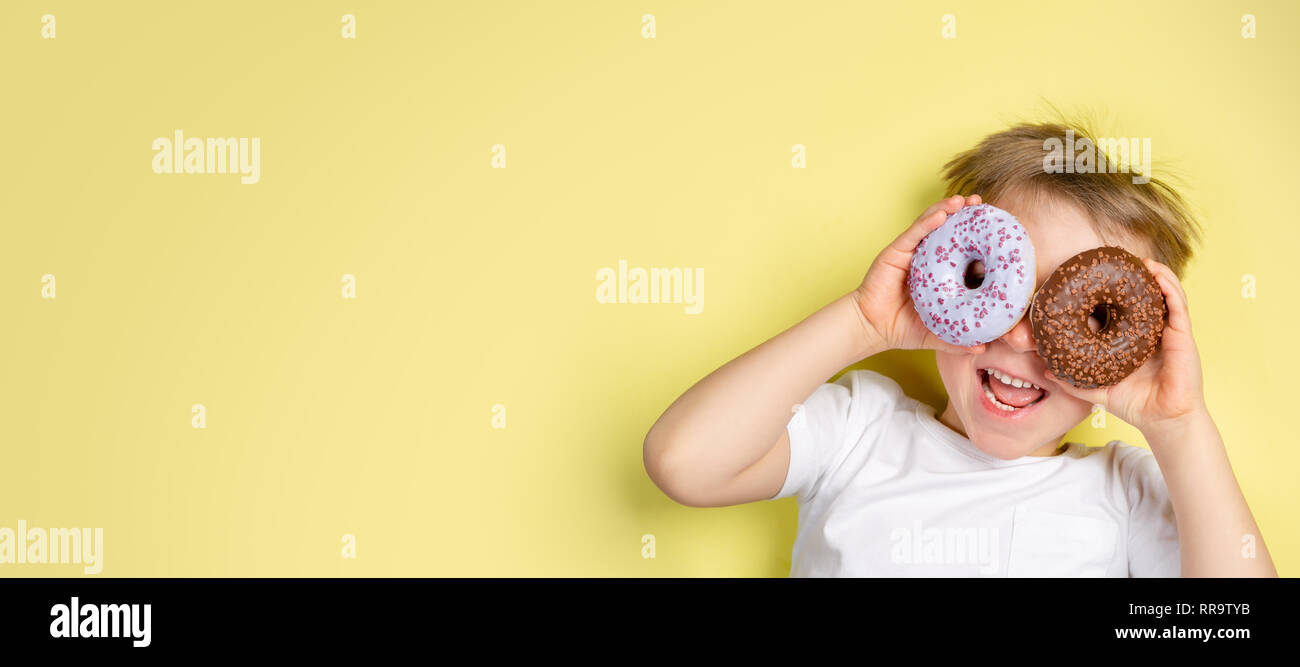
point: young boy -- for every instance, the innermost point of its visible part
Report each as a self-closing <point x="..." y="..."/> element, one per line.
<point x="888" y="488"/>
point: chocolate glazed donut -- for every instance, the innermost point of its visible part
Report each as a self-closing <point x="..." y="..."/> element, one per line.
<point x="1114" y="287"/>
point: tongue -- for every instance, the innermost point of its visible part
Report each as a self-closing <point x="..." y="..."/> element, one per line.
<point x="1016" y="397"/>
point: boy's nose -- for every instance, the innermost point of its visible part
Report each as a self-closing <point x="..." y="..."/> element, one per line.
<point x="1021" y="336"/>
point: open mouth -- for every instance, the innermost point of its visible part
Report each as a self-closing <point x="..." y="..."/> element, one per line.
<point x="1008" y="394"/>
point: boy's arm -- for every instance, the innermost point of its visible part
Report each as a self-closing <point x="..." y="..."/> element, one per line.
<point x="724" y="441"/>
<point x="1164" y="399"/>
<point x="1217" y="534"/>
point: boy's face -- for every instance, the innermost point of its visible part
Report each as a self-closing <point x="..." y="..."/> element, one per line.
<point x="1059" y="231"/>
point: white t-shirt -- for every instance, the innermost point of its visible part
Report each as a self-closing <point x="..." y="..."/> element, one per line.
<point x="887" y="490"/>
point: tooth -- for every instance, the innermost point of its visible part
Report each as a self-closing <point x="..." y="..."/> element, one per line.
<point x="1015" y="382"/>
<point x="994" y="399"/>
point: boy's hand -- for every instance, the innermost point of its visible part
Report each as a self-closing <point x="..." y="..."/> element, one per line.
<point x="884" y="300"/>
<point x="1166" y="390"/>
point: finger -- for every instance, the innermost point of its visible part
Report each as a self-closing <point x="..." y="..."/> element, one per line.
<point x="1175" y="298"/>
<point x="950" y="205"/>
<point x="906" y="242"/>
<point x="899" y="253"/>
<point x="953" y="204"/>
<point x="974" y="200"/>
<point x="1159" y="268"/>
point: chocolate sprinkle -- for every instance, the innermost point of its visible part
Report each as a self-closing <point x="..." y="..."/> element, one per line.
<point x="1108" y="277"/>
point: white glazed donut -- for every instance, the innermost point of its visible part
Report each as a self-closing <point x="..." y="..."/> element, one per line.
<point x="968" y="316"/>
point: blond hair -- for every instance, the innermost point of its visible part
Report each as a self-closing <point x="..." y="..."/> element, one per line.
<point x="1011" y="163"/>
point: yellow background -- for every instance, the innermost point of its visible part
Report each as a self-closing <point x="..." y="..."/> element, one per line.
<point x="476" y="286"/>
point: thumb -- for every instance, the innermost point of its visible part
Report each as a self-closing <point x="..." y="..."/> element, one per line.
<point x="932" y="342"/>
<point x="1096" y="395"/>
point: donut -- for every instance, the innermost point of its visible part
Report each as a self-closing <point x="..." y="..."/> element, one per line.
<point x="955" y="302"/>
<point x="1112" y="284"/>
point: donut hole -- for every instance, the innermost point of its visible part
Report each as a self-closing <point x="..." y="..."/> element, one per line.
<point x="1101" y="318"/>
<point x="974" y="275"/>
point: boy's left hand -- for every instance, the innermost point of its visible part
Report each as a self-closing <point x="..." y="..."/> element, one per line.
<point x="1167" y="388"/>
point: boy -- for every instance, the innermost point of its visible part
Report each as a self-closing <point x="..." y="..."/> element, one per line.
<point x="888" y="488"/>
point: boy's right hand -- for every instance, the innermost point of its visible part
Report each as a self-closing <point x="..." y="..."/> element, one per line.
<point x="884" y="299"/>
